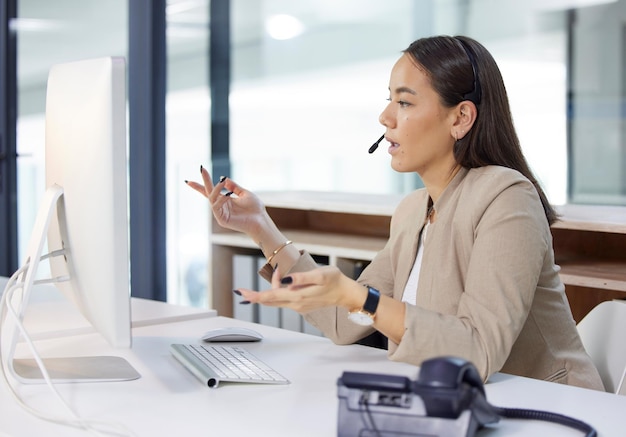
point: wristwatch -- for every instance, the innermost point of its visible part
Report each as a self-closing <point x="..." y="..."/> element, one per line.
<point x="365" y="316"/>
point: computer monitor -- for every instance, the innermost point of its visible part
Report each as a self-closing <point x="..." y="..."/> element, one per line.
<point x="84" y="213"/>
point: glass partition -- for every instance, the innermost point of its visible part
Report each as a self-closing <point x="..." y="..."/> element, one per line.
<point x="49" y="33"/>
<point x="598" y="105"/>
<point x="188" y="145"/>
<point x="305" y="105"/>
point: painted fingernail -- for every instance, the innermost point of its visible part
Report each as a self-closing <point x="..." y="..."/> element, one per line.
<point x="244" y="302"/>
<point x="201" y="168"/>
<point x="286" y="280"/>
<point x="222" y="179"/>
<point x="230" y="193"/>
<point x="186" y="181"/>
<point x="237" y="292"/>
<point x="276" y="267"/>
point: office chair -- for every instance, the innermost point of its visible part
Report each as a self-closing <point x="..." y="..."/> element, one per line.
<point x="602" y="331"/>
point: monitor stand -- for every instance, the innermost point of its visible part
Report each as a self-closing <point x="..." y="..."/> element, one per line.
<point x="66" y="369"/>
<point x="75" y="369"/>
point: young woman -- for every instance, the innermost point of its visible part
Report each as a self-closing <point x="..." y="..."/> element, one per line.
<point x="469" y="266"/>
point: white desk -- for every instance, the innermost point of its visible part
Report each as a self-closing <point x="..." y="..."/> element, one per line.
<point x="168" y="400"/>
<point x="49" y="314"/>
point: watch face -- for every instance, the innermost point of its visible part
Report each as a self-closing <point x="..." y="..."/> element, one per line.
<point x="361" y="318"/>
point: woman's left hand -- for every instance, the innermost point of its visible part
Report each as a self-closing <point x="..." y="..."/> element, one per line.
<point x="307" y="291"/>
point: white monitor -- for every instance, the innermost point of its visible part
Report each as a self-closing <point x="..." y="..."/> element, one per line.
<point x="84" y="213"/>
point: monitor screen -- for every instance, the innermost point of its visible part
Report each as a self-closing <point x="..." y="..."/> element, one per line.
<point x="84" y="213"/>
<point x="86" y="157"/>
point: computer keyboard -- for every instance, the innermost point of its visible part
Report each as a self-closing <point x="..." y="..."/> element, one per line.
<point x="214" y="364"/>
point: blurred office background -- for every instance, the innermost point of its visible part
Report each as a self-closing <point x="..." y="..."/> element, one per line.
<point x="308" y="79"/>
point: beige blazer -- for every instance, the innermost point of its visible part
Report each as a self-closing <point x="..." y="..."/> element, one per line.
<point x="488" y="291"/>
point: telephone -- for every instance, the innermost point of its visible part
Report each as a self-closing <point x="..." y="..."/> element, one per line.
<point x="448" y="399"/>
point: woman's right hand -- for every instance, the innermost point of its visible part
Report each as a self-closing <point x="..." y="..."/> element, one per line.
<point x="237" y="209"/>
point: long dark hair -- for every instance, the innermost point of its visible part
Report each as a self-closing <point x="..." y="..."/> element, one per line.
<point x="461" y="68"/>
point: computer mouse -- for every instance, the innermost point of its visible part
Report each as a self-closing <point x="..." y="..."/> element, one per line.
<point x="232" y="333"/>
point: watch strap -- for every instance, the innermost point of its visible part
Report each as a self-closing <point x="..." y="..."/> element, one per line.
<point x="371" y="303"/>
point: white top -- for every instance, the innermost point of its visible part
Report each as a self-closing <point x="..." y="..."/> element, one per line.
<point x="410" y="289"/>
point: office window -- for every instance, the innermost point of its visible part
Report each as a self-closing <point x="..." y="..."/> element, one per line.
<point x="66" y="30"/>
<point x="49" y="33"/>
<point x="598" y="107"/>
<point x="188" y="115"/>
<point x="305" y="104"/>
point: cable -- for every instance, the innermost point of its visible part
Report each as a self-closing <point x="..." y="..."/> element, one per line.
<point x="88" y="425"/>
<point x="517" y="413"/>
<point x="366" y="408"/>
<point x="95" y="427"/>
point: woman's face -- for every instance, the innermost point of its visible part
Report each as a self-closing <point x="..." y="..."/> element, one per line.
<point x="419" y="128"/>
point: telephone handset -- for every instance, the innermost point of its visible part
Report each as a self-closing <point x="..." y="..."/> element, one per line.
<point x="447" y="399"/>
